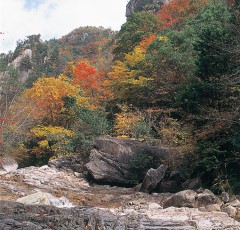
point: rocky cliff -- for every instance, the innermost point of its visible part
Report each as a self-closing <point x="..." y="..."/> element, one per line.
<point x="143" y="5"/>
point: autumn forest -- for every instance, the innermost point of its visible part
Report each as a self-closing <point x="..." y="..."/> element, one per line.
<point x="170" y="76"/>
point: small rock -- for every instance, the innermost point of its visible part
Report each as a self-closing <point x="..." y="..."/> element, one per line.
<point x="174" y="175"/>
<point x="238" y="213"/>
<point x="225" y="197"/>
<point x="203" y="209"/>
<point x="41" y="198"/>
<point x="234" y="203"/>
<point x="207" y="198"/>
<point x="207" y="191"/>
<point x="68" y="163"/>
<point x="152" y="178"/>
<point x="231" y="211"/>
<point x="77" y="174"/>
<point x="192" y="184"/>
<point x="36" y="198"/>
<point x="154" y="206"/>
<point x="155" y="194"/>
<point x="213" y="208"/>
<point x="169" y="186"/>
<point x="44" y="167"/>
<point x="200" y="190"/>
<point x="137" y="187"/>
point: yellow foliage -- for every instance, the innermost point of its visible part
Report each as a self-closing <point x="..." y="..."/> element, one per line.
<point x="46" y="95"/>
<point x="126" y="75"/>
<point x="44" y="131"/>
<point x="162" y="38"/>
<point x="43" y="144"/>
<point x="126" y="122"/>
<point x="51" y="139"/>
<point x="175" y="134"/>
<point x="134" y="57"/>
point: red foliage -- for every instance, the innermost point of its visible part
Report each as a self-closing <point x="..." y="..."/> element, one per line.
<point x="177" y="10"/>
<point x="90" y="80"/>
<point x="87" y="77"/>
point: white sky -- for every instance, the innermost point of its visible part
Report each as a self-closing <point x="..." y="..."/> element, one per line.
<point x="55" y="18"/>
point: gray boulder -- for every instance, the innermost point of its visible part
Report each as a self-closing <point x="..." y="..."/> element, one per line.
<point x="186" y="198"/>
<point x="191" y="199"/>
<point x="230" y="210"/>
<point x="122" y="161"/>
<point x="234" y="203"/>
<point x="207" y="198"/>
<point x="152" y="178"/>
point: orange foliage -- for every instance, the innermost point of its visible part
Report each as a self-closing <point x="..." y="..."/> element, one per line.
<point x="146" y="42"/>
<point x="90" y="80"/>
<point x="177" y="10"/>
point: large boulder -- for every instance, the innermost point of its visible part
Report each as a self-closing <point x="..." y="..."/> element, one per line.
<point x="122" y="161"/>
<point x="152" y="178"/>
<point x="191" y="199"/>
<point x="185" y="198"/>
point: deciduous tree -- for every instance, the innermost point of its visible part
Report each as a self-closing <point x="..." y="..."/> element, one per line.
<point x="46" y="97"/>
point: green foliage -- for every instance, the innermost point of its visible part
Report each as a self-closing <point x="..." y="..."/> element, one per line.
<point x="212" y="27"/>
<point x="95" y="43"/>
<point x="200" y="66"/>
<point x="174" y="53"/>
<point x="25" y="63"/>
<point x="90" y="124"/>
<point x="3" y="62"/>
<point x="138" y="26"/>
<point x="142" y="162"/>
<point x="11" y="86"/>
<point x="142" y="130"/>
<point x="191" y="95"/>
<point x="19" y="49"/>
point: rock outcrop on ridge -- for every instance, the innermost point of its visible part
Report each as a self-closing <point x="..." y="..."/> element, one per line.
<point x="138" y="5"/>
